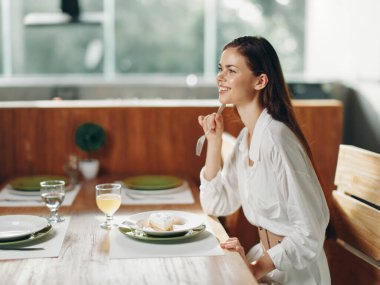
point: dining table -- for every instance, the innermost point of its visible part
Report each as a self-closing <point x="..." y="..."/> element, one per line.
<point x="84" y="257"/>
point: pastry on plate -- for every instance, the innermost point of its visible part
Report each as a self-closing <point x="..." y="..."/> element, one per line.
<point x="161" y="221"/>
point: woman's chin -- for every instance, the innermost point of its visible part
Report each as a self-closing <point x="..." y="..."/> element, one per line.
<point x="222" y="100"/>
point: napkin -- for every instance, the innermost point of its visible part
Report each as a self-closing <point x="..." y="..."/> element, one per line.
<point x="8" y="199"/>
<point x="48" y="246"/>
<point x="184" y="196"/>
<point x="204" y="244"/>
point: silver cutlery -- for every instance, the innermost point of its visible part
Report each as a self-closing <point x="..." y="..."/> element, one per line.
<point x="141" y="197"/>
<point x="21" y="200"/>
<point x="22" y="248"/>
<point x="202" y="139"/>
<point x="130" y="225"/>
<point x="135" y="196"/>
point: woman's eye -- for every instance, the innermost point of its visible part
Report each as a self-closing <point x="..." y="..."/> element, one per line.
<point x="231" y="71"/>
<point x="219" y="69"/>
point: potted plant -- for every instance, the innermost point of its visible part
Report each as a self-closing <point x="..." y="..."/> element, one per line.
<point x="89" y="137"/>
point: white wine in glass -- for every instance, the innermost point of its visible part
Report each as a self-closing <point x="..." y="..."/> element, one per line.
<point x="108" y="199"/>
<point x="53" y="194"/>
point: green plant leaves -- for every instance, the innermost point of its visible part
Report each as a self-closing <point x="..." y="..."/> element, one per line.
<point x="90" y="137"/>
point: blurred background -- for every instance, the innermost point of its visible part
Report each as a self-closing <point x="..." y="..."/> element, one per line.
<point x="169" y="49"/>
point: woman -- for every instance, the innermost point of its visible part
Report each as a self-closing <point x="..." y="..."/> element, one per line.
<point x="269" y="173"/>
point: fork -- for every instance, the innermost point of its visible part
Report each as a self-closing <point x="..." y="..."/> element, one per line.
<point x="21" y="200"/>
<point x="141" y="197"/>
<point x="202" y="139"/>
<point x="22" y="248"/>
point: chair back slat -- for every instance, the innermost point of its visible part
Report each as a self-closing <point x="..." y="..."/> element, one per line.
<point x="359" y="224"/>
<point x="358" y="173"/>
<point x="357" y="198"/>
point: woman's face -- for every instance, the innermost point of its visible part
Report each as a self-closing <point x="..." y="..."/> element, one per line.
<point x="235" y="79"/>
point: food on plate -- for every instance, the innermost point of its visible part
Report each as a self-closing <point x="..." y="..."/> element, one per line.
<point x="161" y="221"/>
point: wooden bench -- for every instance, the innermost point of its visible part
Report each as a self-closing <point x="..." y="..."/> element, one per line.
<point x="355" y="250"/>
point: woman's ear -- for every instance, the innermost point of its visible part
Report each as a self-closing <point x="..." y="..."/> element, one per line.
<point x="261" y="82"/>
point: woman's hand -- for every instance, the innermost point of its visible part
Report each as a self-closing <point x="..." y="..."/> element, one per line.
<point x="233" y="244"/>
<point x="213" y="122"/>
<point x="258" y="268"/>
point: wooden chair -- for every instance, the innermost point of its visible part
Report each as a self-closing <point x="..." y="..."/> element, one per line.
<point x="355" y="251"/>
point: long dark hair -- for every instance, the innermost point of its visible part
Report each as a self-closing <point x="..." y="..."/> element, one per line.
<point x="262" y="58"/>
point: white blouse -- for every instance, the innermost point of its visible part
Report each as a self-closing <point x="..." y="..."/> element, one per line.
<point x="281" y="193"/>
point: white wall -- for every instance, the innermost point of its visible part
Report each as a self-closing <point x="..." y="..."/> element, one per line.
<point x="343" y="44"/>
<point x="343" y="39"/>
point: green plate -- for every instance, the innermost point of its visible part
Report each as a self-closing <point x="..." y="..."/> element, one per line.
<point x="152" y="182"/>
<point x="38" y="235"/>
<point x="32" y="183"/>
<point x="136" y="234"/>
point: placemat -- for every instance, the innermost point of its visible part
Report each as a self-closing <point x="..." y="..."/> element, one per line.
<point x="8" y="199"/>
<point x="204" y="244"/>
<point x="48" y="246"/>
<point x="184" y="196"/>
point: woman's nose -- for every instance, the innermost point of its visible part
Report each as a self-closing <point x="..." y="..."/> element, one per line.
<point x="220" y="76"/>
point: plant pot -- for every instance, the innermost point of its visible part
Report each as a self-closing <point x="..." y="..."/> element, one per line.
<point x="89" y="168"/>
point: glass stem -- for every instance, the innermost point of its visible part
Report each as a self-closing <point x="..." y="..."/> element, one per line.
<point x="53" y="213"/>
<point x="109" y="220"/>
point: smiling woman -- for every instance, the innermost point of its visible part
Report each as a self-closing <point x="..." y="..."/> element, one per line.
<point x="271" y="144"/>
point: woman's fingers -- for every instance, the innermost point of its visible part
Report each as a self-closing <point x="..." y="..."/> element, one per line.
<point x="230" y="243"/>
<point x="200" y="120"/>
<point x="219" y="122"/>
<point x="234" y="245"/>
<point x="212" y="122"/>
<point x="207" y="122"/>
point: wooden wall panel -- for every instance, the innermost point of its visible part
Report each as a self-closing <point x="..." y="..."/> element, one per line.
<point x="139" y="139"/>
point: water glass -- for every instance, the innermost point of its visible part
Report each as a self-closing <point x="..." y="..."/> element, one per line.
<point x="53" y="194"/>
<point x="108" y="199"/>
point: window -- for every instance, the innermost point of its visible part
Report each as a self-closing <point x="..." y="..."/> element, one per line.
<point x="159" y="36"/>
<point x="146" y="37"/>
<point x="280" y="21"/>
<point x="60" y="48"/>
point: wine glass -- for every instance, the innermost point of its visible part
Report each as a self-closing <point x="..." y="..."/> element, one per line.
<point x="53" y="193"/>
<point x="108" y="199"/>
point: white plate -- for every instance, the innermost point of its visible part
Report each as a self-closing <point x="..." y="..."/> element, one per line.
<point x="188" y="222"/>
<point x="29" y="192"/>
<point x="156" y="192"/>
<point x="14" y="227"/>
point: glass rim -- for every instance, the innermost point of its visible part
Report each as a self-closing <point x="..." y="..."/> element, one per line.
<point x="52" y="183"/>
<point x="108" y="186"/>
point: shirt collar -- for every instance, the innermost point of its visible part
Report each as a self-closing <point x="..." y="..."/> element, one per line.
<point x="258" y="133"/>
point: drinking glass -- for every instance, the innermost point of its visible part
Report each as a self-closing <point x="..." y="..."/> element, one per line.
<point x="108" y="199"/>
<point x="53" y="193"/>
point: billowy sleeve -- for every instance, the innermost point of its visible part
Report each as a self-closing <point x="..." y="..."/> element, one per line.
<point x="306" y="208"/>
<point x="220" y="196"/>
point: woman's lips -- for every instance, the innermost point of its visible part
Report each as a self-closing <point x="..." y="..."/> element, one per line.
<point x="223" y="89"/>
